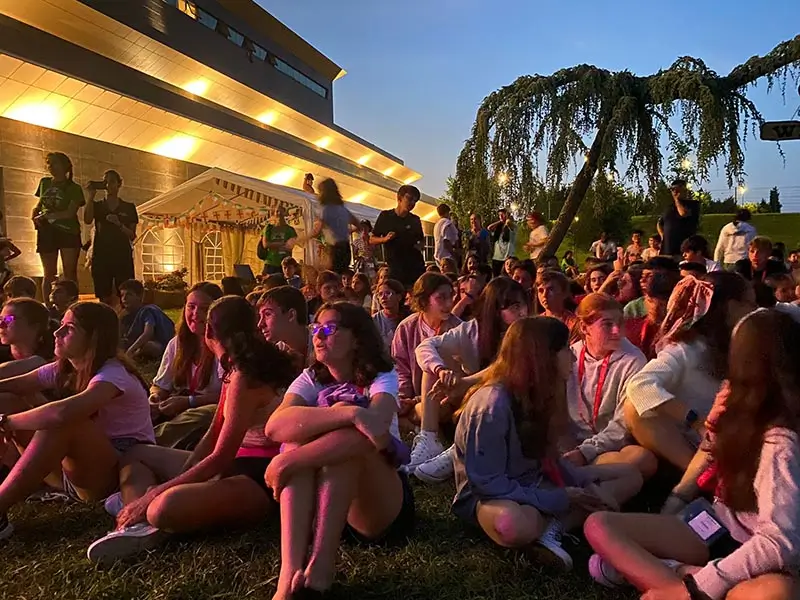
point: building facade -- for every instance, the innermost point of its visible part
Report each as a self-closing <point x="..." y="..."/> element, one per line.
<point x="161" y="90"/>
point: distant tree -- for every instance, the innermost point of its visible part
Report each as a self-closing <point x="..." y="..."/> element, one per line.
<point x="721" y="207"/>
<point x="763" y="207"/>
<point x="623" y="116"/>
<point x="775" y="205"/>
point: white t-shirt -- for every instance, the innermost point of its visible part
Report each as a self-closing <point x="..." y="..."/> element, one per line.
<point x="537" y="239"/>
<point x="164" y="379"/>
<point x="603" y="250"/>
<point x="126" y="415"/>
<point x="443" y="230"/>
<point x="386" y="383"/>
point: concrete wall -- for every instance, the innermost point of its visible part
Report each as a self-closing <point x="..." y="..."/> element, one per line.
<point x="23" y="148"/>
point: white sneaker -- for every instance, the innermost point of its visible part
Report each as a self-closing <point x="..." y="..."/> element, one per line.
<point x="113" y="504"/>
<point x="425" y="446"/>
<point x="127" y="542"/>
<point x="6" y="528"/>
<point x="604" y="573"/>
<point x="437" y="469"/>
<point x="550" y="540"/>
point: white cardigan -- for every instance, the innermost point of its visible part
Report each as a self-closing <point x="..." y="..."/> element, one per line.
<point x="455" y="347"/>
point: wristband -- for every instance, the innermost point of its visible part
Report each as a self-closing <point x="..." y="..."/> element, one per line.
<point x="192" y="401"/>
<point x="695" y="593"/>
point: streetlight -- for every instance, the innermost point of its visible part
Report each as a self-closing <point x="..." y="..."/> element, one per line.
<point x="739" y="190"/>
<point x="502" y="178"/>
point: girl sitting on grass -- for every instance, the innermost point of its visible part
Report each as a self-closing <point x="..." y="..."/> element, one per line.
<point x="338" y="469"/>
<point x="509" y="479"/>
<point x="25" y="328"/>
<point x="746" y="546"/>
<point x="221" y="483"/>
<point x="74" y="444"/>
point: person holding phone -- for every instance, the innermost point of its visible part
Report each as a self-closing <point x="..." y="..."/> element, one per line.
<point x="746" y="545"/>
<point x="115" y="224"/>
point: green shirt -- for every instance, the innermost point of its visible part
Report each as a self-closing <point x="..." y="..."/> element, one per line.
<point x="278" y="233"/>
<point x="57" y="197"/>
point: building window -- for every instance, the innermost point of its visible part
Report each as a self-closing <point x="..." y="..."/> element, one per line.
<point x="427" y="251"/>
<point x="162" y="252"/>
<point x="299" y="77"/>
<point x="259" y="52"/>
<point x="188" y="7"/>
<point x="213" y="263"/>
<point x="207" y="19"/>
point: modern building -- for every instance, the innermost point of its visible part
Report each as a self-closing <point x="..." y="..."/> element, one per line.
<point x="163" y="90"/>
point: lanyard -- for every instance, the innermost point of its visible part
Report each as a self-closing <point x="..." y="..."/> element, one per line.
<point x="194" y="380"/>
<point x="601" y="380"/>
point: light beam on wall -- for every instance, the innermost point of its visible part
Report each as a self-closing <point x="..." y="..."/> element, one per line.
<point x="198" y="87"/>
<point x="269" y="117"/>
<point x="35" y="113"/>
<point x="323" y="142"/>
<point x="179" y="146"/>
<point x="283" y="177"/>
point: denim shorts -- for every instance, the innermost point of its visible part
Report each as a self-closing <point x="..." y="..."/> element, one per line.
<point x="121" y="445"/>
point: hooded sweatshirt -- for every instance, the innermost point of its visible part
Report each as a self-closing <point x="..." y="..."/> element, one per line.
<point x="734" y="240"/>
<point x="457" y="347"/>
<point x="770" y="537"/>
<point x="608" y="432"/>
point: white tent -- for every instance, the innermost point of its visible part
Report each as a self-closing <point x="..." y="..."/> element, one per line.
<point x="213" y="221"/>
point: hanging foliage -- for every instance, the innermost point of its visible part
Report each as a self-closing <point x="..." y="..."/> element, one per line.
<point x="623" y="115"/>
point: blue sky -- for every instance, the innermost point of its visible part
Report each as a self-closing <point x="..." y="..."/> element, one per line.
<point x="418" y="69"/>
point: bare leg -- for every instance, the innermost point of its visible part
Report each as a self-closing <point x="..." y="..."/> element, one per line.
<point x="509" y="524"/>
<point x="197" y="506"/>
<point x="430" y="405"/>
<point x="297" y="516"/>
<point x="619" y="482"/>
<point x="660" y="435"/>
<point x="641" y="458"/>
<point x="144" y="466"/>
<point x="69" y="260"/>
<point x="634" y="543"/>
<point x="772" y="586"/>
<point x="50" y="268"/>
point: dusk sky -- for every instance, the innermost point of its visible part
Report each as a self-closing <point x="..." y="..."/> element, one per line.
<point x="418" y="69"/>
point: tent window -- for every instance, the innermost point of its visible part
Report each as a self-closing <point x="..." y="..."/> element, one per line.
<point x="162" y="252"/>
<point x="213" y="263"/>
<point x="428" y="250"/>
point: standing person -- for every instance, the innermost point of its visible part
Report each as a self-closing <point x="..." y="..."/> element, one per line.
<point x="275" y="239"/>
<point x="308" y="184"/>
<point x="509" y="480"/>
<point x="538" y="237"/>
<point x="634" y="250"/>
<point x="185" y="391"/>
<point x="504" y="234"/>
<point x="653" y="247"/>
<point x="337" y="472"/>
<point x="478" y="239"/>
<point x="221" y="483"/>
<point x="445" y="235"/>
<point x="115" y="224"/>
<point x="334" y="224"/>
<point x="363" y="256"/>
<point x="401" y="232"/>
<point x="74" y="444"/>
<point x="734" y="240"/>
<point x="55" y="217"/>
<point x="604" y="248"/>
<point x="744" y="546"/>
<point x="680" y="220"/>
<point x="8" y="251"/>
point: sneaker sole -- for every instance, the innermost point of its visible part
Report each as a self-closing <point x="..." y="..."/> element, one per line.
<point x="542" y="555"/>
<point x="423" y="476"/>
<point x="596" y="573"/>
<point x="110" y="549"/>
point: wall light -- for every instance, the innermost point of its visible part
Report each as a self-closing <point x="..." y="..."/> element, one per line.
<point x="269" y="117"/>
<point x="358" y="198"/>
<point x="411" y="179"/>
<point x="179" y="146"/>
<point x="364" y="159"/>
<point x="430" y="216"/>
<point x="389" y="171"/>
<point x="323" y="142"/>
<point x="35" y="113"/>
<point x="283" y="177"/>
<point x="198" y="87"/>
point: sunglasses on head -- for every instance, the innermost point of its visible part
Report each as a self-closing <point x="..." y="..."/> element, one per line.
<point x="326" y="329"/>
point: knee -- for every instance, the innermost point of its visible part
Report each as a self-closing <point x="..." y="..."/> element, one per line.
<point x="642" y="459"/>
<point x="164" y="510"/>
<point x="511" y="531"/>
<point x="766" y="587"/>
<point x="596" y="528"/>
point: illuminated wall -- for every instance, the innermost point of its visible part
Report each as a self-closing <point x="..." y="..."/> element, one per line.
<point x="22" y="151"/>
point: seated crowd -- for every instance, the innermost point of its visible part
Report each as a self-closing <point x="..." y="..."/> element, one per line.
<point x="548" y="396"/>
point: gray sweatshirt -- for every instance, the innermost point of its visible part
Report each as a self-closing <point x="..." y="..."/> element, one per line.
<point x="609" y="433"/>
<point x="770" y="538"/>
<point x="489" y="464"/>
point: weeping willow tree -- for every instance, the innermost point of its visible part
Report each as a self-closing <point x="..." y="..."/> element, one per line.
<point x="606" y="118"/>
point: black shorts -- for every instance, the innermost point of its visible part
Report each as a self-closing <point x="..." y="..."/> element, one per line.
<point x="400" y="529"/>
<point x="341" y="257"/>
<point x="51" y="239"/>
<point x="253" y="467"/>
<point x="109" y="272"/>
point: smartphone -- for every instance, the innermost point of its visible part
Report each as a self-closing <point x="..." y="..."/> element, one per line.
<point x="97" y="185"/>
<point x="700" y="518"/>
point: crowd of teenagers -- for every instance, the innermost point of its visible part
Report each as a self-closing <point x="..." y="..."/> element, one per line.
<point x="547" y="394"/>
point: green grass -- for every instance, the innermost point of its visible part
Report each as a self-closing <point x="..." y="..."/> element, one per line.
<point x="46" y="558"/>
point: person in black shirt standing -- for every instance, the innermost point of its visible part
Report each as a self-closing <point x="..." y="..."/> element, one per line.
<point x="115" y="224"/>
<point x="401" y="232"/>
<point x="680" y="220"/>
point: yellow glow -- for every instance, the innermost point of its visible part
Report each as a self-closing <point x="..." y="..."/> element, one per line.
<point x="168" y="267"/>
<point x="514" y="206"/>
<point x="430" y="216"/>
<point x="610" y="176"/>
<point x="502" y="178"/>
<point x="364" y="159"/>
<point x="742" y="189"/>
<point x="269" y="117"/>
<point x="198" y="87"/>
<point x="686" y="164"/>
<point x="577" y="219"/>
<point x="179" y="146"/>
<point x="689" y="185"/>
<point x="358" y="198"/>
<point x="323" y="142"/>
<point x="389" y="171"/>
<point x="411" y="179"/>
<point x="283" y="176"/>
<point x="36" y="113"/>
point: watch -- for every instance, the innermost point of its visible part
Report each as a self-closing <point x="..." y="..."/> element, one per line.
<point x="695" y="593"/>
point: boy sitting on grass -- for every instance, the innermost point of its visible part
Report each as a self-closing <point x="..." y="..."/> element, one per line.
<point x="62" y="296"/>
<point x="145" y="328"/>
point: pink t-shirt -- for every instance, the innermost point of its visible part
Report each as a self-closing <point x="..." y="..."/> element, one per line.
<point x="126" y="415"/>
